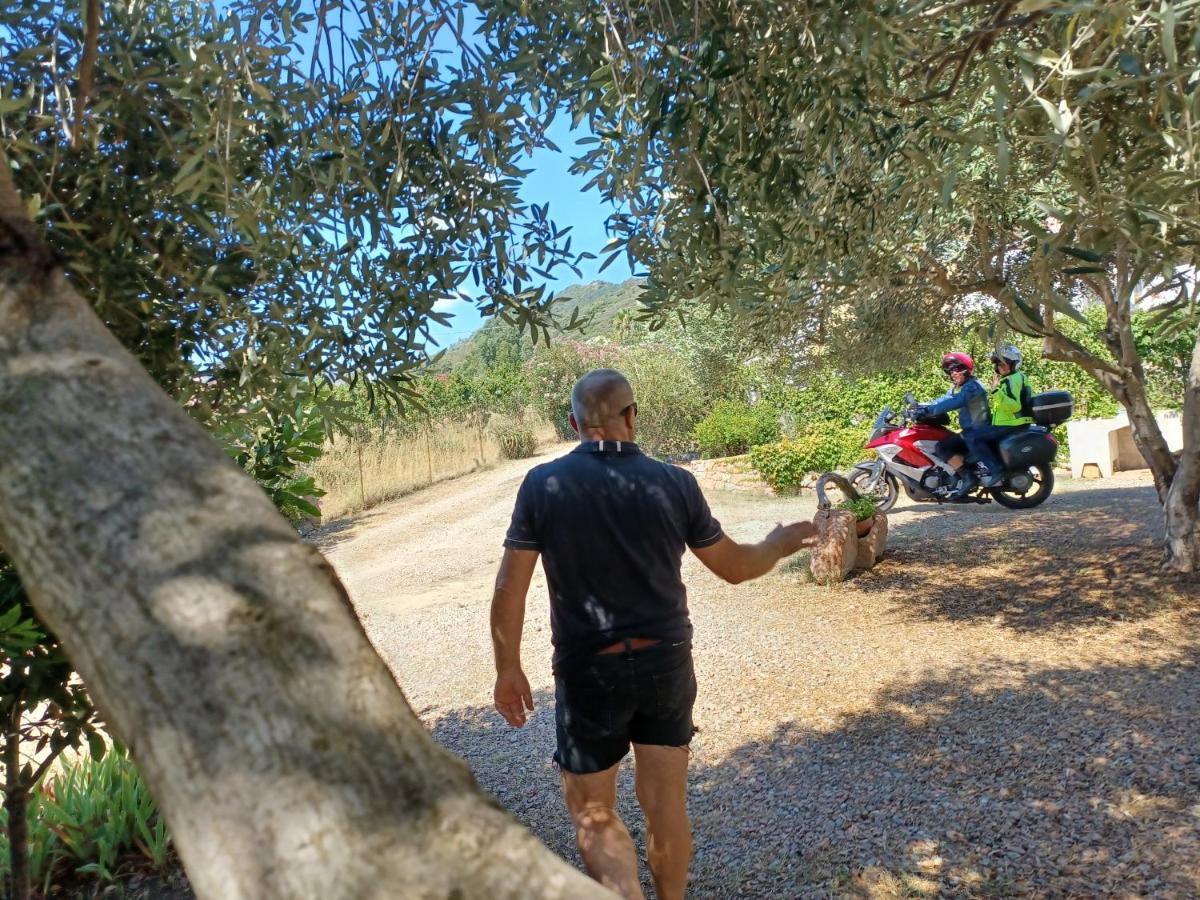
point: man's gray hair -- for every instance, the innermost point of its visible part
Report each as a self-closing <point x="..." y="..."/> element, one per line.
<point x="599" y="397"/>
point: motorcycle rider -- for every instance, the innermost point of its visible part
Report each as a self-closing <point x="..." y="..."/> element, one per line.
<point x="1010" y="395"/>
<point x="970" y="398"/>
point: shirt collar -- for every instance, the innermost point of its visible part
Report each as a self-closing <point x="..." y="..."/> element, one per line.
<point x="607" y="447"/>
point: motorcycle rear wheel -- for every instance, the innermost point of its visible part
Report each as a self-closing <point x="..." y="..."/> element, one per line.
<point x="886" y="491"/>
<point x="1043" y="485"/>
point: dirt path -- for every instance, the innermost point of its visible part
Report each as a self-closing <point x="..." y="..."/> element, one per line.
<point x="440" y="545"/>
<point x="1007" y="706"/>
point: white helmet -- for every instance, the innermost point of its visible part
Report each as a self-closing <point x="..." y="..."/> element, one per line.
<point x="1010" y="354"/>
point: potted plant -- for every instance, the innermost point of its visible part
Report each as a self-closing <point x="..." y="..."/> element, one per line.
<point x="864" y="513"/>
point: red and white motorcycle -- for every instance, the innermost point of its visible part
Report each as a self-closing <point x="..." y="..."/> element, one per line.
<point x="906" y="457"/>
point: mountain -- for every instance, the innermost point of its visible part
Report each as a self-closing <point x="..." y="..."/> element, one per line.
<point x="598" y="302"/>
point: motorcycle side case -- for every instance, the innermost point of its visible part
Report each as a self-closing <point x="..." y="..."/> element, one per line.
<point x="1053" y="408"/>
<point x="1029" y="448"/>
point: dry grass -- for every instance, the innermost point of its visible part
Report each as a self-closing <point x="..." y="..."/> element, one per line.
<point x="358" y="475"/>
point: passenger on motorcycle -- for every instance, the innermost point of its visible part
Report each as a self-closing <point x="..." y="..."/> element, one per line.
<point x="1010" y="398"/>
<point x="970" y="398"/>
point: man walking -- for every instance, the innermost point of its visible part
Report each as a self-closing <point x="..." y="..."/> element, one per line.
<point x="611" y="525"/>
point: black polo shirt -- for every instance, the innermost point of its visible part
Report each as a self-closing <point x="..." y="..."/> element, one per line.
<point x="612" y="524"/>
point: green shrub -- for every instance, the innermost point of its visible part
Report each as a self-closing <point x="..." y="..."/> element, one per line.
<point x="90" y="817"/>
<point x="274" y="447"/>
<point x="670" y="399"/>
<point x="516" y="440"/>
<point x="863" y="508"/>
<point x="784" y="464"/>
<point x="830" y="394"/>
<point x="734" y="427"/>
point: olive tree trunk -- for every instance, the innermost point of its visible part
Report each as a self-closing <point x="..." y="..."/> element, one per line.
<point x="221" y="649"/>
<point x="1176" y="477"/>
<point x="1183" y="497"/>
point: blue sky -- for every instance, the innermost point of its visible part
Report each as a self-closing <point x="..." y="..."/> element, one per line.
<point x="550" y="181"/>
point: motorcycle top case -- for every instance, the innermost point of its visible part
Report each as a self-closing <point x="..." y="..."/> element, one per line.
<point x="1052" y="408"/>
<point x="1029" y="448"/>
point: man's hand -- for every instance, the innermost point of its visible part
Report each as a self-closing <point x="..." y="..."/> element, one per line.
<point x="995" y="381"/>
<point x="513" y="697"/>
<point x="790" y="538"/>
<point x="736" y="562"/>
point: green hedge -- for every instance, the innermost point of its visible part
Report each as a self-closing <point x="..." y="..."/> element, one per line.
<point x="829" y="395"/>
<point x="784" y="464"/>
<point x="734" y="427"/>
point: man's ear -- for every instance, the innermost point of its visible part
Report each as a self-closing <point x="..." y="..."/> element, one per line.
<point x="574" y="424"/>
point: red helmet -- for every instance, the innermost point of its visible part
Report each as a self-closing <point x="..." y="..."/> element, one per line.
<point x="955" y="360"/>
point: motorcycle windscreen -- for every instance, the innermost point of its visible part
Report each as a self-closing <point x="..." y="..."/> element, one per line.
<point x="1031" y="448"/>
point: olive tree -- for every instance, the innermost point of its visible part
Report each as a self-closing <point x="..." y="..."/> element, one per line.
<point x="822" y="165"/>
<point x="202" y="206"/>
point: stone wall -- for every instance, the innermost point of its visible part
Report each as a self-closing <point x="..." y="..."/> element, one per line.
<point x="729" y="473"/>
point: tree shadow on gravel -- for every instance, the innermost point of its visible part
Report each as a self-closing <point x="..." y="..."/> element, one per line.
<point x="1086" y="557"/>
<point x="996" y="780"/>
<point x="328" y="536"/>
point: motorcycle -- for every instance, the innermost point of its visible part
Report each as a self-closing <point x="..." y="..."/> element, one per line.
<point x="906" y="456"/>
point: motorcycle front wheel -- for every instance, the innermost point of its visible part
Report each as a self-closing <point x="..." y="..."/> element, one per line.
<point x="886" y="490"/>
<point x="1026" y="488"/>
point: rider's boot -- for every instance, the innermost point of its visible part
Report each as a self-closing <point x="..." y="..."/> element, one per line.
<point x="967" y="483"/>
<point x="987" y="478"/>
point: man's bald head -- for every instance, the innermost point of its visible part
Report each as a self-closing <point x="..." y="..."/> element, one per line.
<point x="599" y="397"/>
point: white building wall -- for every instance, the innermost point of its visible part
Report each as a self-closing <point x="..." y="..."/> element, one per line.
<point x="1108" y="443"/>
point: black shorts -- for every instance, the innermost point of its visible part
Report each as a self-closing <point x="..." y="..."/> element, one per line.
<point x="605" y="701"/>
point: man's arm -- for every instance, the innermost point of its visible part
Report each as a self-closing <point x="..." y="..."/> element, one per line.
<point x="512" y="694"/>
<point x="735" y="563"/>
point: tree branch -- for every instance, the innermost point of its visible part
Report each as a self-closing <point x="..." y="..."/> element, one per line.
<point x="977" y="42"/>
<point x="49" y="760"/>
<point x="722" y="221"/>
<point x="87" y="68"/>
<point x="1059" y="347"/>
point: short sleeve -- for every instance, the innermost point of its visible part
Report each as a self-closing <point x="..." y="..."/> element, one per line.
<point x="702" y="529"/>
<point x="522" y="530"/>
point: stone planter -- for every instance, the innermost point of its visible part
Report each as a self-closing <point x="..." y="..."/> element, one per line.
<point x="844" y="544"/>
<point x="871" y="545"/>
<point x="835" y="549"/>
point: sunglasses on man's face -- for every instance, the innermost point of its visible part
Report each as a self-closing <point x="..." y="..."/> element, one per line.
<point x="632" y="406"/>
<point x="953" y="370"/>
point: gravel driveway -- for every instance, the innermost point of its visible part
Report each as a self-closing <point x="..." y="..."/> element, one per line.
<point x="1006" y="706"/>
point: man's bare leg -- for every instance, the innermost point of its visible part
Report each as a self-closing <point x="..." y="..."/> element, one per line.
<point x="604" y="841"/>
<point x="661" y="778"/>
